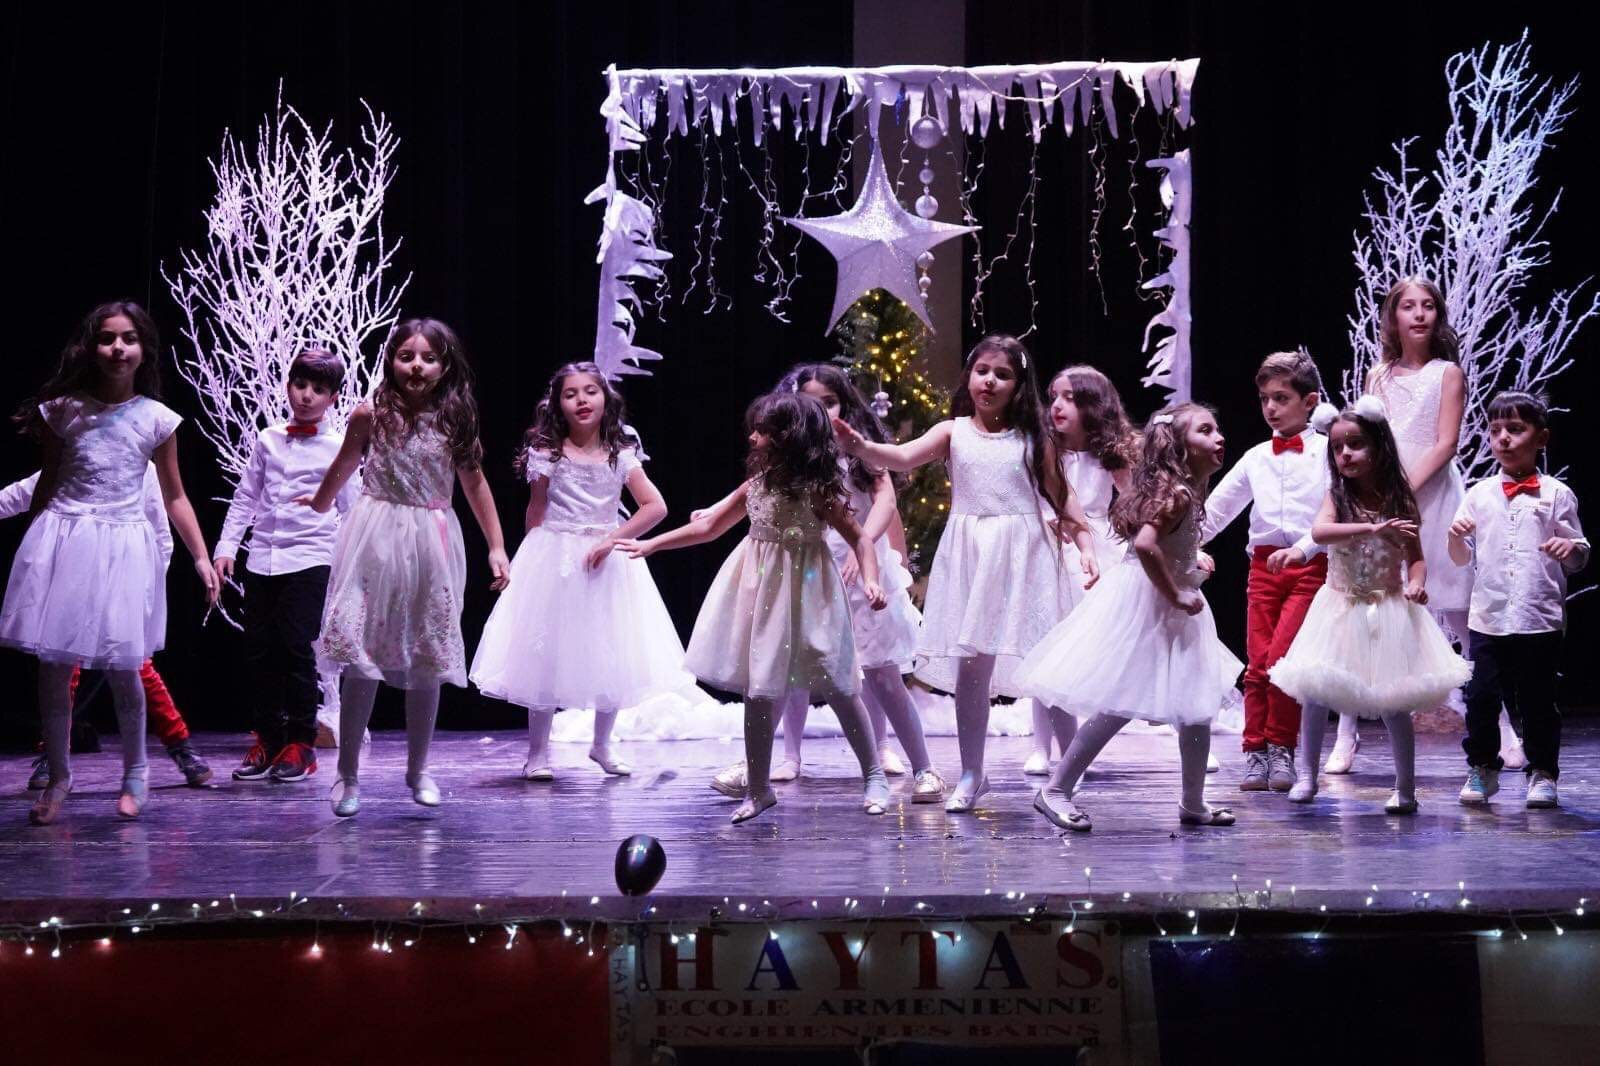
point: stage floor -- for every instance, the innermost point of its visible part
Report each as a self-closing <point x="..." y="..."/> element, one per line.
<point x="518" y="848"/>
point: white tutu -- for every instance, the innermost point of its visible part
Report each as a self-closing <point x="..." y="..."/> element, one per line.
<point x="887" y="637"/>
<point x="563" y="636"/>
<point x="1369" y="658"/>
<point x="1125" y="650"/>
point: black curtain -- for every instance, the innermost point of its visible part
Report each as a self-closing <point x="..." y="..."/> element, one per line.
<point x="110" y="116"/>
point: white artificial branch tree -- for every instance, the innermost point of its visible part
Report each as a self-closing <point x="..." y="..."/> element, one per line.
<point x="295" y="256"/>
<point x="1470" y="226"/>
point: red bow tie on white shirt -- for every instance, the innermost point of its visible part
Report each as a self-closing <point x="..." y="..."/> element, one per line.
<point x="1287" y="444"/>
<point x="1513" y="489"/>
<point x="296" y="429"/>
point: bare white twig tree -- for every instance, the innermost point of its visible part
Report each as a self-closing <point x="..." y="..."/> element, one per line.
<point x="1470" y="226"/>
<point x="295" y="256"/>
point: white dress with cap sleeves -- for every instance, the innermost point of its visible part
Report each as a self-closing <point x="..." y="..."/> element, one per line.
<point x="887" y="637"/>
<point x="88" y="583"/>
<point x="564" y="636"/>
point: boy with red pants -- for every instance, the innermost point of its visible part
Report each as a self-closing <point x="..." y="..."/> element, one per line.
<point x="1286" y="478"/>
<point x="165" y="721"/>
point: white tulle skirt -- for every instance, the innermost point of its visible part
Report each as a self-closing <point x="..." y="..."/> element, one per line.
<point x="87" y="590"/>
<point x="776" y="618"/>
<point x="1369" y="659"/>
<point x="562" y="636"/>
<point x="997" y="587"/>
<point x="393" y="611"/>
<point x="1125" y="650"/>
<point x="887" y="637"/>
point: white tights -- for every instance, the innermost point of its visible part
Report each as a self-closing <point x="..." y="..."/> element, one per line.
<point x="1402" y="743"/>
<point x="888" y="703"/>
<point x="55" y="713"/>
<point x="355" y="711"/>
<point x="1090" y="738"/>
<point x="760" y="725"/>
<point x="540" y="719"/>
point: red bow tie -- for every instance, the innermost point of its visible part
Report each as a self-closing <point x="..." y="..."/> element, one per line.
<point x="1287" y="444"/>
<point x="1529" y="485"/>
<point x="297" y="429"/>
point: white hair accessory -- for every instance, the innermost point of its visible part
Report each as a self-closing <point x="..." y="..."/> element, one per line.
<point x="1161" y="420"/>
<point x="1322" y="417"/>
<point x="1371" y="408"/>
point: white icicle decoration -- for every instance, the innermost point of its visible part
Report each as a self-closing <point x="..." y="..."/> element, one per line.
<point x="1171" y="361"/>
<point x="295" y="256"/>
<point x="1468" y="225"/>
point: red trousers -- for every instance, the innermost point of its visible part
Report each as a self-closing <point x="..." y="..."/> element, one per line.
<point x="165" y="721"/>
<point x="1276" y="604"/>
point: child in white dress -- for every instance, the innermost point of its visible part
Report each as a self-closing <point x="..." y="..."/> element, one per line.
<point x="579" y="627"/>
<point x="777" y="616"/>
<point x="88" y="584"/>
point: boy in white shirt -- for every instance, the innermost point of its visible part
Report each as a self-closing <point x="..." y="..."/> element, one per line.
<point x="1283" y="481"/>
<point x="286" y="569"/>
<point x="1520" y="530"/>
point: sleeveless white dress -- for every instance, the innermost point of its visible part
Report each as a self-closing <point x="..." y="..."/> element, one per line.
<point x="997" y="585"/>
<point x="1095" y="488"/>
<point x="1412" y="401"/>
<point x="887" y="637"/>
<point x="1126" y="650"/>
<point x="776" y="616"/>
<point x="564" y="636"/>
<point x="88" y="583"/>
<point x="393" y="611"/>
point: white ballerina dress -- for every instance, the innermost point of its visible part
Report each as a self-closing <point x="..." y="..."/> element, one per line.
<point x="1364" y="648"/>
<point x="997" y="585"/>
<point x="1127" y="650"/>
<point x="563" y="636"/>
<point x="393" y="610"/>
<point x="1094" y="486"/>
<point x="776" y="616"/>
<point x="887" y="637"/>
<point x="88" y="583"/>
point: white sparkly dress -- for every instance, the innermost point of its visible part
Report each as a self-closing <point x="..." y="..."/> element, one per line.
<point x="88" y="584"/>
<point x="997" y="585"/>
<point x="563" y="636"/>
<point x="1095" y="487"/>
<point x="1127" y="650"/>
<point x="393" y="610"/>
<point x="887" y="637"/>
<point x="776" y="616"/>
<point x="1412" y="401"/>
<point x="1364" y="648"/>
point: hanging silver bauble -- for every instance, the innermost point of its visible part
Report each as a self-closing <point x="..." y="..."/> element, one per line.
<point x="925" y="261"/>
<point x="924" y="283"/>
<point x="880" y="404"/>
<point x="926" y="205"/>
<point x="925" y="175"/>
<point x="927" y="132"/>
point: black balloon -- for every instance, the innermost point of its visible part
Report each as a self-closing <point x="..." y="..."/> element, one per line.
<point x="640" y="863"/>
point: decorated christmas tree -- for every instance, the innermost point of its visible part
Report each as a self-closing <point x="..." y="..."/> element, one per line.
<point x="882" y="341"/>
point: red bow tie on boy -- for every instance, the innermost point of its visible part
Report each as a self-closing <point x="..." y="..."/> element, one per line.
<point x="1287" y="444"/>
<point x="1529" y="485"/>
<point x="296" y="429"/>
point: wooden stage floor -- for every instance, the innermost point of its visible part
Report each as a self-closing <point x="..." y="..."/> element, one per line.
<point x="517" y="848"/>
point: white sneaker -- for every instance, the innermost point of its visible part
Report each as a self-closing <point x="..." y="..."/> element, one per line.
<point x="1343" y="755"/>
<point x="929" y="787"/>
<point x="1037" y="764"/>
<point x="732" y="782"/>
<point x="1541" y="791"/>
<point x="1482" y="782"/>
<point x="891" y="763"/>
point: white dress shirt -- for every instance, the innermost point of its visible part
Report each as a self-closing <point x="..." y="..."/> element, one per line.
<point x="16" y="498"/>
<point x="287" y="536"/>
<point x="1287" y="490"/>
<point x="1517" y="587"/>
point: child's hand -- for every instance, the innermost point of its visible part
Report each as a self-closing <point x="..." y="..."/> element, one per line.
<point x="1190" y="601"/>
<point x="598" y="553"/>
<point x="208" y="577"/>
<point x="500" y="567"/>
<point x="634" y="548"/>
<point x="849" y="570"/>
<point x="224" y="568"/>
<point x="1204" y="563"/>
<point x="311" y="502"/>
<point x="1284" y="557"/>
<point x="1396" y="531"/>
<point x="1091" y="570"/>
<point x="850" y="441"/>
<point x="1462" y="527"/>
<point x="1416" y="592"/>
<point x="1558" y="548"/>
<point x="695" y="516"/>
<point x="875" y="595"/>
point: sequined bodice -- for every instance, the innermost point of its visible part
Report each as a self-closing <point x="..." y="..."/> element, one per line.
<point x="105" y="452"/>
<point x="1365" y="567"/>
<point x="1181" y="546"/>
<point x="1412" y="401"/>
<point x="989" y="472"/>
<point x="774" y="517"/>
<point x="410" y="467"/>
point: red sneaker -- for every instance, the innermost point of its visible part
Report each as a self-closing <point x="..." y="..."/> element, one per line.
<point x="295" y="762"/>
<point x="257" y="761"/>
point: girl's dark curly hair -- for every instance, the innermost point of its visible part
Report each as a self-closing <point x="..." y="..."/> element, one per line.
<point x="549" y="429"/>
<point x="853" y="409"/>
<point x="800" y="459"/>
<point x="1025" y="412"/>
<point x="454" y="409"/>
<point x="1395" y="499"/>
<point x="1110" y="435"/>
<point x="79" y="369"/>
<point x="1162" y="481"/>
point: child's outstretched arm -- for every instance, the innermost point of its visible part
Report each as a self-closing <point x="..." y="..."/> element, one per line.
<point x="712" y="523"/>
<point x="15" y="497"/>
<point x="839" y="517"/>
<point x="1147" y="544"/>
<point x="356" y="436"/>
<point x="476" y="489"/>
<point x="934" y="444"/>
<point x="1226" y="501"/>
<point x="181" y="513"/>
<point x="649" y="510"/>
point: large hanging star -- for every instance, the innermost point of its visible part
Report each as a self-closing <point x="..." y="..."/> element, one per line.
<point x="877" y="243"/>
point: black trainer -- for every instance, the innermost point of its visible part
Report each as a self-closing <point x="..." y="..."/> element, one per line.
<point x="190" y="764"/>
<point x="39" y="776"/>
<point x="257" y="761"/>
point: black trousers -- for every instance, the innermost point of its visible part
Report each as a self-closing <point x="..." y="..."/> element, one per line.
<point x="282" y="616"/>
<point x="1518" y="670"/>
